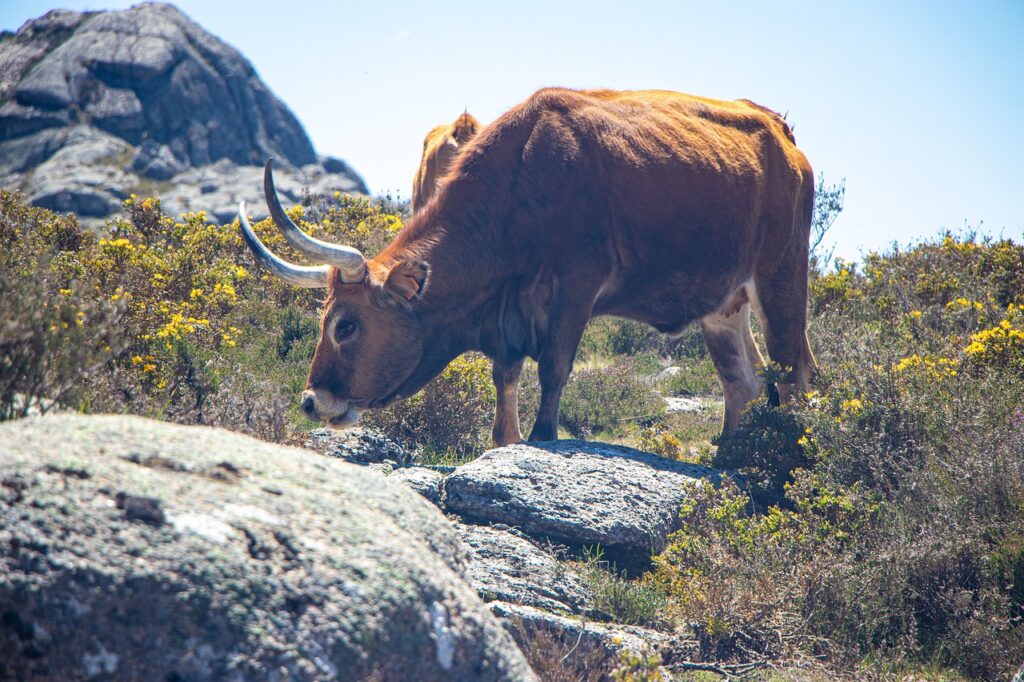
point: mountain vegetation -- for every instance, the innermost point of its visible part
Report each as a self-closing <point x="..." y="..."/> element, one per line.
<point x="881" y="530"/>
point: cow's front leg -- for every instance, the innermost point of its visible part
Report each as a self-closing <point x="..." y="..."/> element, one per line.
<point x="555" y="363"/>
<point x="506" y="412"/>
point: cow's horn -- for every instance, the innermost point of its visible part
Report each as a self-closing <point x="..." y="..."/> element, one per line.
<point x="349" y="261"/>
<point x="309" y="277"/>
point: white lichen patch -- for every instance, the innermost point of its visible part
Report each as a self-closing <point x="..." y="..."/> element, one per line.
<point x="204" y="525"/>
<point x="246" y="511"/>
<point x="444" y="637"/>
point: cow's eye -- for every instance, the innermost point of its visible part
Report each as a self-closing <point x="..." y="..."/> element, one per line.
<point x="344" y="329"/>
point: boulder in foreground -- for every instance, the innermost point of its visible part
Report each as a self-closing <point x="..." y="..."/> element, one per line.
<point x="134" y="549"/>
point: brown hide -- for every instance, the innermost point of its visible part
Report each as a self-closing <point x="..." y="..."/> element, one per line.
<point x="439" y="150"/>
<point x="654" y="206"/>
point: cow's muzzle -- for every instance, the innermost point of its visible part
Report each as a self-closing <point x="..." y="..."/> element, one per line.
<point x="320" y="405"/>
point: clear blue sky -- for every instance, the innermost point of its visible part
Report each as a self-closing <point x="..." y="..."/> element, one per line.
<point x="919" y="105"/>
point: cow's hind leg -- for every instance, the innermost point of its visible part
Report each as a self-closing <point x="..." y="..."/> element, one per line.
<point x="782" y="294"/>
<point x="736" y="357"/>
<point x="506" y="412"/>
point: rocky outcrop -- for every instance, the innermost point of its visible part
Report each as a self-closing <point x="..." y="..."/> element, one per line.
<point x="358" y="446"/>
<point x="132" y="549"/>
<point x="578" y="493"/>
<point x="524" y="621"/>
<point x="95" y="105"/>
<point x="505" y="565"/>
<point x="427" y="482"/>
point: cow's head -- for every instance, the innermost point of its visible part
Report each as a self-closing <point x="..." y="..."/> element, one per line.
<point x="370" y="336"/>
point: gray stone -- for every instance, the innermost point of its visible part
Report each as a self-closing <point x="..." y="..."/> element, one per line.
<point x="83" y="175"/>
<point x="584" y="637"/>
<point x="17" y="119"/>
<point x="505" y="565"/>
<point x="22" y="153"/>
<point x="208" y="96"/>
<point x="217" y="188"/>
<point x="177" y="97"/>
<point x="679" y="405"/>
<point x="426" y="482"/>
<point x="118" y="111"/>
<point x="31" y="43"/>
<point x="357" y="445"/>
<point x="156" y="161"/>
<point x="666" y="374"/>
<point x="578" y="493"/>
<point x="133" y="549"/>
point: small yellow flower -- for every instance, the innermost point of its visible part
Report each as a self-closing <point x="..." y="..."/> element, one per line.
<point x="905" y="363"/>
<point x="852" y="407"/>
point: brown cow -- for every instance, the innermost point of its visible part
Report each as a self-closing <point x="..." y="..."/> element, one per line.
<point x="439" y="149"/>
<point x="653" y="206"/>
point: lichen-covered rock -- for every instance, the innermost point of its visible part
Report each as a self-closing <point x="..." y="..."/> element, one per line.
<point x="505" y="565"/>
<point x="578" y="493"/>
<point x="582" y="636"/>
<point x="172" y="95"/>
<point x="133" y="549"/>
<point x="427" y="482"/>
<point x="358" y="445"/>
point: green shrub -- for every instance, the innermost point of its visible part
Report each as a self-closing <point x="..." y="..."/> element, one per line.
<point x="896" y="546"/>
<point x="608" y="400"/>
<point x="613" y="595"/>
<point x="695" y="377"/>
<point x="606" y="337"/>
<point x="747" y="582"/>
<point x="54" y="332"/>
<point x="450" y="418"/>
<point x="766" y="448"/>
<point x="658" y="439"/>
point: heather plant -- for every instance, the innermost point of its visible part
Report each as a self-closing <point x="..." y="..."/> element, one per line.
<point x="451" y="417"/>
<point x="891" y="538"/>
<point x="609" y="337"/>
<point x="695" y="376"/>
<point x="163" y="317"/>
<point x="608" y="400"/>
<point x="886" y="534"/>
<point x="54" y="334"/>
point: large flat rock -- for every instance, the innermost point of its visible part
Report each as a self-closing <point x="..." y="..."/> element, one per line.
<point x="134" y="549"/>
<point x="578" y="493"/>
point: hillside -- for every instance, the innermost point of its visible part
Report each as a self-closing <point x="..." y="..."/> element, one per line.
<point x="879" y="532"/>
<point x="95" y="106"/>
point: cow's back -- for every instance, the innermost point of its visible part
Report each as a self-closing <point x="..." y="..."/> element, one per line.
<point x="678" y="197"/>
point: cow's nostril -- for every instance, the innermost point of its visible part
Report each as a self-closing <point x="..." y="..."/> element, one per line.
<point x="307" y="405"/>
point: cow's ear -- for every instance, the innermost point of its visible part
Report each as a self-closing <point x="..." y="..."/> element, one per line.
<point x="408" y="279"/>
